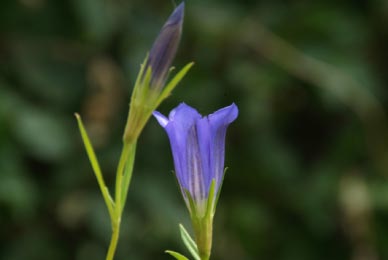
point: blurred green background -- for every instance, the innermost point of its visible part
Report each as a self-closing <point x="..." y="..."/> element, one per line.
<point x="307" y="157"/>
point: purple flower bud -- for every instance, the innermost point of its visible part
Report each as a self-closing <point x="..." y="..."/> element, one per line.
<point x="198" y="148"/>
<point x="164" y="48"/>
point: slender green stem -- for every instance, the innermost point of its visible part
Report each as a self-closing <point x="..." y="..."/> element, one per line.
<point x="123" y="180"/>
<point x="114" y="240"/>
<point x="203" y="228"/>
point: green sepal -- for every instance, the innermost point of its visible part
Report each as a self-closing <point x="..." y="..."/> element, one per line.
<point x="189" y="242"/>
<point x="142" y="68"/>
<point x="146" y="99"/>
<point x="210" y="204"/>
<point x="177" y="255"/>
<point x="96" y="167"/>
<point x="173" y="83"/>
<point x="139" y="79"/>
<point x="219" y="191"/>
<point x="171" y="70"/>
<point x="191" y="206"/>
<point x="145" y="83"/>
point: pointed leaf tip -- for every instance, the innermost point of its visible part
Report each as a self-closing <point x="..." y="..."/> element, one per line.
<point x="177" y="255"/>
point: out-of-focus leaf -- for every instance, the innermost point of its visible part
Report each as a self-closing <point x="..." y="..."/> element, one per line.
<point x="44" y="135"/>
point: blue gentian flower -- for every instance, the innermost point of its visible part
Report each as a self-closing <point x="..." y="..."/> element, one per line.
<point x="165" y="47"/>
<point x="198" y="148"/>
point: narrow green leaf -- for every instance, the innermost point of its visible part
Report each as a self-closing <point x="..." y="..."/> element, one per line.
<point x="189" y="242"/>
<point x="96" y="167"/>
<point x="173" y="83"/>
<point x="106" y="190"/>
<point x="177" y="255"/>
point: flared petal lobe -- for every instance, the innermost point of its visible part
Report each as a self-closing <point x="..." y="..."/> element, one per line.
<point x="177" y="126"/>
<point x="219" y="122"/>
<point x="198" y="148"/>
<point x="165" y="47"/>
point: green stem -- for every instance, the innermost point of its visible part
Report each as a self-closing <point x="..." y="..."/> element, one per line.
<point x="123" y="180"/>
<point x="114" y="240"/>
<point x="203" y="228"/>
<point x="128" y="172"/>
<point x="119" y="178"/>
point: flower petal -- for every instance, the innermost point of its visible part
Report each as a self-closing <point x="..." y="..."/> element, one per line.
<point x="195" y="172"/>
<point x="219" y="122"/>
<point x="184" y="115"/>
<point x="163" y="121"/>
<point x="205" y="145"/>
<point x="224" y="116"/>
<point x="198" y="148"/>
<point x="181" y="119"/>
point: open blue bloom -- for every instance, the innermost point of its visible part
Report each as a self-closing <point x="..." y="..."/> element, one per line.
<point x="198" y="148"/>
<point x="165" y="46"/>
